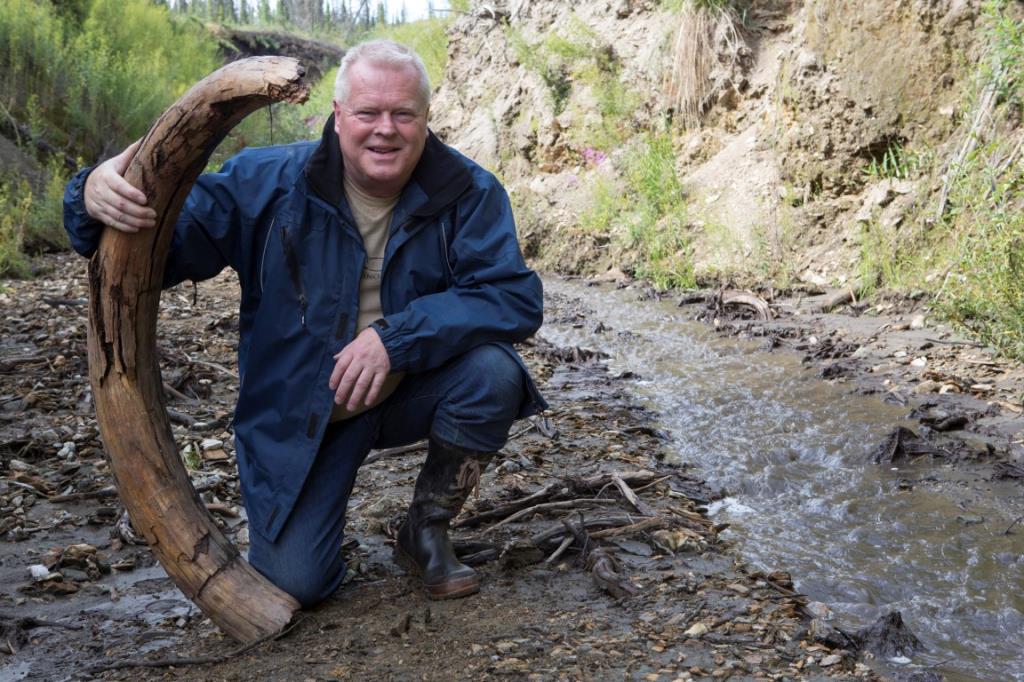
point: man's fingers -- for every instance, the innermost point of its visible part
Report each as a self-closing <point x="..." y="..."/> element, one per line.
<point x="374" y="392"/>
<point x="339" y="370"/>
<point x="362" y="384"/>
<point x="347" y="385"/>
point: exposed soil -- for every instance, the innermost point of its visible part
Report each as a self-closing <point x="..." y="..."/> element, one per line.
<point x="592" y="586"/>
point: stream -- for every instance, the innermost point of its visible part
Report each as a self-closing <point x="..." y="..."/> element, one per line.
<point x="793" y="455"/>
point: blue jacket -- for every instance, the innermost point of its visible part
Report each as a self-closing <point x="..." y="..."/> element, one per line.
<point x="453" y="278"/>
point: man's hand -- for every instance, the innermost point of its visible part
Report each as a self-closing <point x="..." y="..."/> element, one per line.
<point x="360" y="370"/>
<point x="110" y="199"/>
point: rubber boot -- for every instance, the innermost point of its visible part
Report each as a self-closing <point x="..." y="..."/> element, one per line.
<point x="448" y="476"/>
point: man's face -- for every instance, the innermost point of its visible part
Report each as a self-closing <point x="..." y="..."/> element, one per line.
<point x="382" y="127"/>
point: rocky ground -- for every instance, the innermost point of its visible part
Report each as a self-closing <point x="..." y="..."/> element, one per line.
<point x="598" y="559"/>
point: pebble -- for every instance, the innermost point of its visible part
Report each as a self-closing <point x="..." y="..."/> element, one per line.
<point x="696" y="630"/>
<point x="39" y="572"/>
<point x="830" y="660"/>
<point x="18" y="465"/>
<point x="211" y="444"/>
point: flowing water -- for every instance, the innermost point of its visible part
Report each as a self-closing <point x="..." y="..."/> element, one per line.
<point x="793" y="454"/>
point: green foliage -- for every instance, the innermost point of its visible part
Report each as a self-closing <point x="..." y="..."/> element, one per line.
<point x="984" y="290"/>
<point x="427" y="37"/>
<point x="97" y="84"/>
<point x="656" y="226"/>
<point x="280" y="123"/>
<point x="1005" y="61"/>
<point x="893" y="163"/>
<point x="30" y="221"/>
<point x="561" y="61"/>
<point x="647" y="213"/>
<point x="605" y="205"/>
<point x="983" y="287"/>
<point x="13" y="215"/>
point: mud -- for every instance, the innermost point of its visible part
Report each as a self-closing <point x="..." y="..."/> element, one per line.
<point x="641" y="589"/>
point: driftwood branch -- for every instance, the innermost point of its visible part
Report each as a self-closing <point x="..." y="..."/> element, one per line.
<point x="125" y="278"/>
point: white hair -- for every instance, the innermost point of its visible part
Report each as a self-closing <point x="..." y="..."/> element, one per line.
<point x="381" y="52"/>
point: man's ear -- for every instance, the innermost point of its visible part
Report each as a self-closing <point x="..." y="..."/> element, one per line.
<point x="336" y="105"/>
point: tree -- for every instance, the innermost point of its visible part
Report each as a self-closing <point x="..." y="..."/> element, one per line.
<point x="265" y="15"/>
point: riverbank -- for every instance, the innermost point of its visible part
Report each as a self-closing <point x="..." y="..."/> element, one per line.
<point x="598" y="558"/>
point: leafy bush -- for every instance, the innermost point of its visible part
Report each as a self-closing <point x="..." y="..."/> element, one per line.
<point x="93" y="86"/>
<point x="30" y="219"/>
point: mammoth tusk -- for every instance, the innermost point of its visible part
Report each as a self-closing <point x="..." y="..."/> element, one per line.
<point x="125" y="277"/>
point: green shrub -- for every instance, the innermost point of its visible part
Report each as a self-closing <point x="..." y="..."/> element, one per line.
<point x="30" y="219"/>
<point x="96" y="85"/>
<point x="646" y="213"/>
<point x="13" y="217"/>
<point x="983" y="287"/>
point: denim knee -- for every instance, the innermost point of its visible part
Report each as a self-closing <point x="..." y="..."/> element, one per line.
<point x="308" y="578"/>
<point x="485" y="397"/>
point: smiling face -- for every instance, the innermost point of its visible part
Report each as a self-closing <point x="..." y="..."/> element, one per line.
<point x="382" y="127"/>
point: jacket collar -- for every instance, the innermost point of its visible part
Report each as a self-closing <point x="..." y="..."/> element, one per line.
<point x="441" y="174"/>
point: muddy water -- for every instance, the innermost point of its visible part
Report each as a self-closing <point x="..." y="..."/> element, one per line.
<point x="793" y="455"/>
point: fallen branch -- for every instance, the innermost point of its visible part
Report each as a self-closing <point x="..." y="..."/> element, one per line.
<point x="646" y="524"/>
<point x="542" y="495"/>
<point x="547" y="506"/>
<point x="631" y="496"/>
<point x="598" y="481"/>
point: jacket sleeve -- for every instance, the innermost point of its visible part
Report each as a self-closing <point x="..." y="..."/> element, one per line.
<point x="212" y="229"/>
<point x="83" y="230"/>
<point x="492" y="295"/>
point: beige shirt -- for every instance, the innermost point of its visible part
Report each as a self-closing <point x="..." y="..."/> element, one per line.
<point x="373" y="218"/>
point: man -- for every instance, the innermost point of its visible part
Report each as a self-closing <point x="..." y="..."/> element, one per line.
<point x="381" y="285"/>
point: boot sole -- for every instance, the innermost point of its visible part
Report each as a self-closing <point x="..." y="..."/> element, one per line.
<point x="452" y="589"/>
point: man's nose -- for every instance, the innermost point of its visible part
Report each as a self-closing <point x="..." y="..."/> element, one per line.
<point x="385" y="124"/>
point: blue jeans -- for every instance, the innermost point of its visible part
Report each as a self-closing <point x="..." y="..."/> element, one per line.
<point x="471" y="402"/>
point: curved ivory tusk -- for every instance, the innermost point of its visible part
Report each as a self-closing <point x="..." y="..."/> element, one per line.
<point x="124" y="280"/>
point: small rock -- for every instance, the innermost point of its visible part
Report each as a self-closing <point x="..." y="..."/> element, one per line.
<point x="888" y="637"/>
<point x="919" y="361"/>
<point x="18" y="465"/>
<point x="696" y="630"/>
<point x="211" y="444"/>
<point x="40" y="572"/>
<point x="830" y="660"/>
<point x="917" y="322"/>
<point x="818" y="610"/>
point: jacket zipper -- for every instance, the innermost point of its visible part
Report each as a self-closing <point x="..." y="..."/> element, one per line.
<point x="294" y="274"/>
